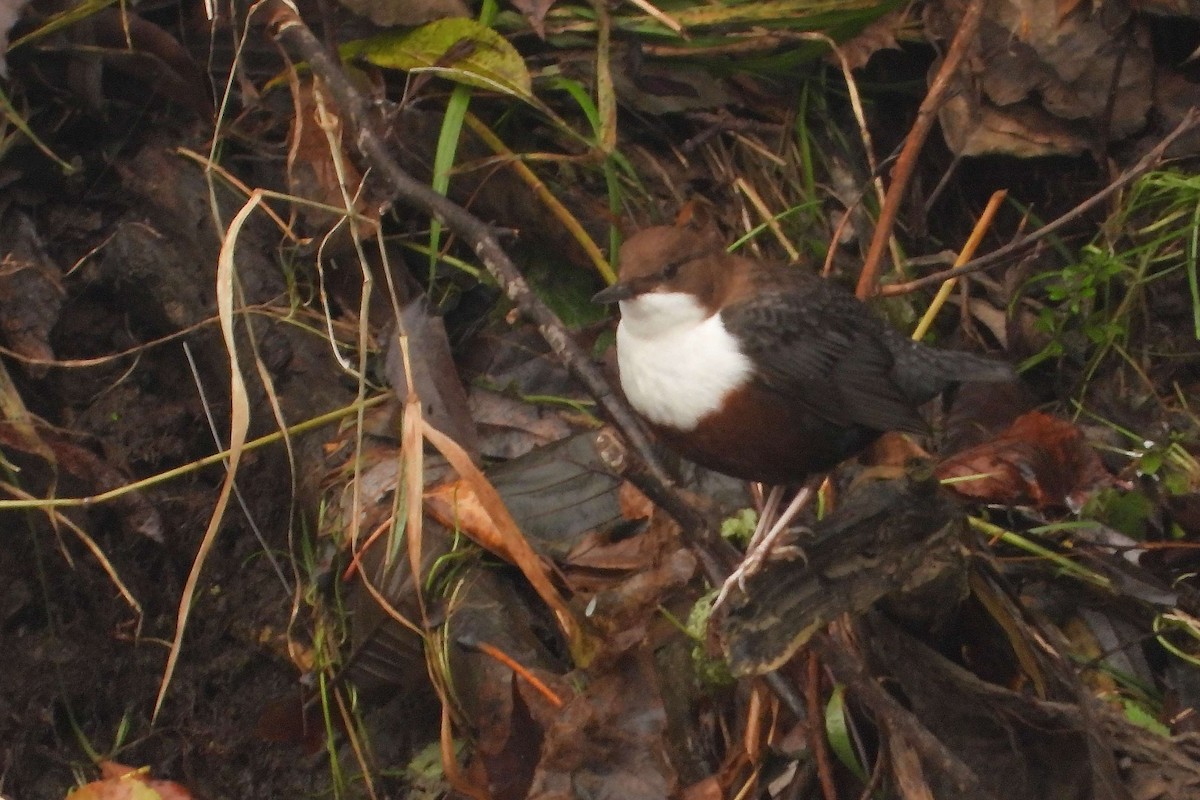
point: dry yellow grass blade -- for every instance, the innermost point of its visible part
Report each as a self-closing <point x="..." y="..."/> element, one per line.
<point x="412" y="451"/>
<point x="544" y="195"/>
<point x="968" y="252"/>
<point x="239" y="425"/>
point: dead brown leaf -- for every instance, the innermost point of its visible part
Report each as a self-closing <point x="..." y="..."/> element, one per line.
<point x="707" y="789"/>
<point x="634" y="504"/>
<point x="1047" y="79"/>
<point x="31" y="292"/>
<point x="906" y="766"/>
<point x="318" y="169"/>
<point x="879" y="35"/>
<point x="509" y="427"/>
<point x="893" y="450"/>
<point x="535" y="13"/>
<point x="511" y="543"/>
<point x="610" y="740"/>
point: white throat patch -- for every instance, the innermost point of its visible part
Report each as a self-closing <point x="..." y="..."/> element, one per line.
<point x="677" y="363"/>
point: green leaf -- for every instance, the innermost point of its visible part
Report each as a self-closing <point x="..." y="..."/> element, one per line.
<point x="1138" y="714"/>
<point x="739" y="527"/>
<point x="455" y="48"/>
<point x="837" y="730"/>
<point x="443" y="161"/>
<point x="1129" y="512"/>
<point x="709" y="670"/>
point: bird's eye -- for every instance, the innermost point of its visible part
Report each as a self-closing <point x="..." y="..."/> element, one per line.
<point x="671" y="269"/>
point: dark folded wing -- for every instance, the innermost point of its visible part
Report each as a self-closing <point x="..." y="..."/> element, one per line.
<point x="825" y="351"/>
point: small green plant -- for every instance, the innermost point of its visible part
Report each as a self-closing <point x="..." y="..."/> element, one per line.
<point x="1093" y="304"/>
<point x="1078" y="311"/>
<point x="739" y="527"/>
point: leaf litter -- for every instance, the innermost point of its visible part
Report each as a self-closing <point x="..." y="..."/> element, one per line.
<point x="1038" y="648"/>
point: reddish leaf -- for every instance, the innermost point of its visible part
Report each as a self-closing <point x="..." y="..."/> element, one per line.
<point x="456" y="506"/>
<point x="1040" y="460"/>
<point x="127" y="783"/>
<point x="286" y="719"/>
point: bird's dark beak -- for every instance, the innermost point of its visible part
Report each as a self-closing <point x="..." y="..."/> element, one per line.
<point x="618" y="291"/>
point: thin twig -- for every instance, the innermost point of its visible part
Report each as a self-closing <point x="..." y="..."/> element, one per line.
<point x="868" y="280"/>
<point x="1008" y="251"/>
<point x="519" y="670"/>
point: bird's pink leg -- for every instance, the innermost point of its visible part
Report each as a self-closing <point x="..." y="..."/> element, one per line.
<point x="768" y="530"/>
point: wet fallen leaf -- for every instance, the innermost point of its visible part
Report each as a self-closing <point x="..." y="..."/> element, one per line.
<point x="609" y="741"/>
<point x="655" y="89"/>
<point x="509" y="427"/>
<point x="434" y="375"/>
<point x="1043" y="82"/>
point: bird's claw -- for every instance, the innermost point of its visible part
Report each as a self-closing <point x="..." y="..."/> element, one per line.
<point x="769" y="549"/>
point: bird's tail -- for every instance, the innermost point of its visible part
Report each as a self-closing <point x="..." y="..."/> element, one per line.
<point x="959" y="367"/>
<point x="923" y="372"/>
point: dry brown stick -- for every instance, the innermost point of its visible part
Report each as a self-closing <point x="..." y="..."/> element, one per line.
<point x="1190" y="120"/>
<point x="291" y="31"/>
<point x="868" y="280"/>
<point x="852" y="672"/>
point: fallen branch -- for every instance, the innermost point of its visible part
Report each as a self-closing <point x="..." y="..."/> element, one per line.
<point x="289" y="29"/>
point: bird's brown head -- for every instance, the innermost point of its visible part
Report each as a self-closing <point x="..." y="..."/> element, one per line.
<point x="685" y="257"/>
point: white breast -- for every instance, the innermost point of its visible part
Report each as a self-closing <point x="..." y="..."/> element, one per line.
<point x="677" y="362"/>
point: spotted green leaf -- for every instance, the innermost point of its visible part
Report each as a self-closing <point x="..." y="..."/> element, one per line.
<point x="455" y="48"/>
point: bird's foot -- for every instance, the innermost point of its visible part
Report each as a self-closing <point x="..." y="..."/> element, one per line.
<point x="778" y="545"/>
<point x="767" y="538"/>
<point x="787" y="552"/>
<point x="781" y="547"/>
